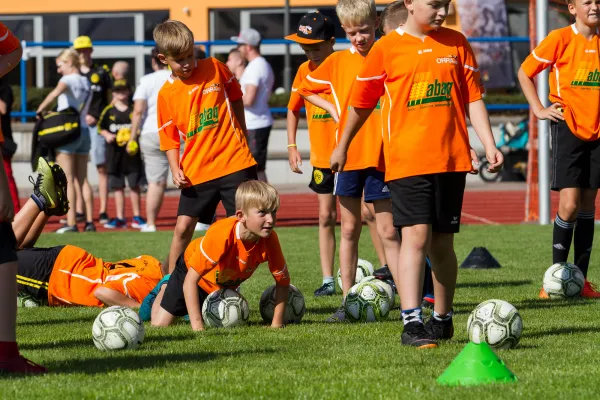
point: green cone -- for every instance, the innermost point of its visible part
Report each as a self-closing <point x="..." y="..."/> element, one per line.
<point x="476" y="364"/>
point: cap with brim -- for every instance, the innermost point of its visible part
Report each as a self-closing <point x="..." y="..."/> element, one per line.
<point x="120" y="84"/>
<point x="313" y="28"/>
<point x="82" y="42"/>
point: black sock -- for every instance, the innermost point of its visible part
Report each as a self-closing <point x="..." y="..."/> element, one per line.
<point x="561" y="240"/>
<point x="428" y="281"/>
<point x="584" y="237"/>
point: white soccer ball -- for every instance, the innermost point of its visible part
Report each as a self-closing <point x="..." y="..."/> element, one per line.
<point x="563" y="280"/>
<point x="495" y="322"/>
<point x="363" y="269"/>
<point x="118" y="328"/>
<point x="225" y="308"/>
<point x="385" y="285"/>
<point x="294" y="311"/>
<point x="367" y="302"/>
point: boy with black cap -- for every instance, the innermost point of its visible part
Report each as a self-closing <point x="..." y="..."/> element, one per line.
<point x="123" y="159"/>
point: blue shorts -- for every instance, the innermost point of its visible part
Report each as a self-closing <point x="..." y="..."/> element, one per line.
<point x="81" y="146"/>
<point x="354" y="183"/>
<point x="98" y="147"/>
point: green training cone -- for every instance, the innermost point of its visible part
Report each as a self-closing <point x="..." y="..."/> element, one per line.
<point x="476" y="364"/>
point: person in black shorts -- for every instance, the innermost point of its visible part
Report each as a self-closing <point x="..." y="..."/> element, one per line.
<point x="124" y="161"/>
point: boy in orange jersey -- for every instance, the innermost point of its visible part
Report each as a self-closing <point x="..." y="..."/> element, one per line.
<point x="316" y="36"/>
<point x="226" y="256"/>
<point x="11" y="361"/>
<point x="431" y="80"/>
<point x="364" y="174"/>
<point x="200" y="103"/>
<point x="573" y="55"/>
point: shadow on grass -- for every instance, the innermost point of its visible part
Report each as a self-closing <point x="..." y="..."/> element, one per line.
<point x="531" y="304"/>
<point x="482" y="285"/>
<point x="46" y="322"/>
<point x="564" y="331"/>
<point x="72" y="343"/>
<point x="324" y="310"/>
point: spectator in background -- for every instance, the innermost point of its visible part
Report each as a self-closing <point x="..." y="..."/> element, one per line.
<point x="100" y="83"/>
<point x="73" y="91"/>
<point x="144" y="118"/>
<point x="120" y="70"/>
<point x="236" y="63"/>
<point x="257" y="85"/>
<point x="10" y="147"/>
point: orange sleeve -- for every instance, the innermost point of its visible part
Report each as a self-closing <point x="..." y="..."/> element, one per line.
<point x="369" y="85"/>
<point x="232" y="86"/>
<point x="544" y="55"/>
<point x="296" y="101"/>
<point x="167" y="131"/>
<point x="472" y="85"/>
<point x="277" y="264"/>
<point x="319" y="80"/>
<point x="8" y="41"/>
<point x="208" y="250"/>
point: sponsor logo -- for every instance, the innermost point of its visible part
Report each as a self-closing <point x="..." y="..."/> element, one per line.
<point x="118" y="127"/>
<point x="207" y="119"/>
<point x="590" y="51"/>
<point x="212" y="88"/>
<point x="451" y="59"/>
<point x="585" y="76"/>
<point x="454" y="221"/>
<point x="318" y="176"/>
<point x="193" y="89"/>
<point x="321" y="116"/>
<point x="424" y="92"/>
<point x="425" y="51"/>
<point x="559" y="246"/>
<point x="307" y="30"/>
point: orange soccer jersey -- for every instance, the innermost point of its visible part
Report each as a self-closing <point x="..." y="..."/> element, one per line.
<point x="223" y="260"/>
<point x="321" y="127"/>
<point x="337" y="75"/>
<point x="574" y="77"/>
<point x="77" y="274"/>
<point x="427" y="85"/>
<point x="198" y="110"/>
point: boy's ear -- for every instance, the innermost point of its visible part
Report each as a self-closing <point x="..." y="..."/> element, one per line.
<point x="240" y="215"/>
<point x="162" y="58"/>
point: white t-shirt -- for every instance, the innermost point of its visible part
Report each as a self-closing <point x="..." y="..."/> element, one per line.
<point x="76" y="95"/>
<point x="148" y="90"/>
<point x="260" y="74"/>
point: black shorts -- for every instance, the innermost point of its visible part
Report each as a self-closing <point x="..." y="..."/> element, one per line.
<point x="575" y="162"/>
<point x="173" y="300"/>
<point x="322" y="181"/>
<point x="201" y="200"/>
<point x="117" y="180"/>
<point x="35" y="268"/>
<point x="258" y="141"/>
<point x="8" y="243"/>
<point x="434" y="200"/>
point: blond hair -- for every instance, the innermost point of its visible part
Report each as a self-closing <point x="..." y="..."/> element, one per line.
<point x="394" y="14"/>
<point x="356" y="12"/>
<point x="256" y="194"/>
<point x="70" y="55"/>
<point x="173" y="38"/>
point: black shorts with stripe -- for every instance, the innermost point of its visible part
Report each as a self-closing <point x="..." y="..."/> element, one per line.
<point x="35" y="268"/>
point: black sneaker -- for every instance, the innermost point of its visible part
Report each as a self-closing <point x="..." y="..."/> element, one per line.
<point x="327" y="289"/>
<point x="338" y="316"/>
<point x="89" y="227"/>
<point x="440" y="330"/>
<point x="383" y="273"/>
<point x="415" y="335"/>
<point x="103" y="218"/>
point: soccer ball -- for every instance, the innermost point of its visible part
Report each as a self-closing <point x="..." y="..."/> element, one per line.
<point x="367" y="302"/>
<point x="563" y="280"/>
<point x="118" y="328"/>
<point x="363" y="269"/>
<point x="294" y="311"/>
<point x="385" y="285"/>
<point x="225" y="308"/>
<point x="495" y="322"/>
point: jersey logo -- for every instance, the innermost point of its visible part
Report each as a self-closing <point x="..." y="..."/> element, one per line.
<point x="451" y="59"/>
<point x="320" y="116"/>
<point x="193" y="90"/>
<point x="425" y="51"/>
<point x="318" y="176"/>
<point x="423" y="92"/>
<point x="95" y="78"/>
<point x="112" y="118"/>
<point x="586" y="77"/>
<point x="212" y="88"/>
<point x="207" y="119"/>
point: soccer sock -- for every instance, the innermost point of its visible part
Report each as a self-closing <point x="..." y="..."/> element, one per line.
<point x="561" y="240"/>
<point x="8" y="349"/>
<point x="39" y="201"/>
<point x="583" y="240"/>
<point x="443" y="318"/>
<point x="412" y="315"/>
<point x="328" y="279"/>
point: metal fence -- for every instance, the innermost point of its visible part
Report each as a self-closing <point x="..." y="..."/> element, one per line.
<point x="24" y="113"/>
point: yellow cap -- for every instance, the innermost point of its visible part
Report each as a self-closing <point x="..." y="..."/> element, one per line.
<point x="82" y="42"/>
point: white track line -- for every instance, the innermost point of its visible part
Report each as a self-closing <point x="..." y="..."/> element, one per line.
<point x="480" y="219"/>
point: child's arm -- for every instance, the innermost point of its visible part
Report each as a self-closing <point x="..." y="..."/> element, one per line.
<point x="139" y="108"/>
<point x="553" y="112"/>
<point x="109" y="137"/>
<point x="190" y="292"/>
<point x="320" y="102"/>
<point x="281" y="298"/>
<point x="481" y="123"/>
<point x="356" y="117"/>
<point x="179" y="178"/>
<point x="60" y="88"/>
<point x="294" y="157"/>
<point x="111" y="297"/>
<point x="238" y="110"/>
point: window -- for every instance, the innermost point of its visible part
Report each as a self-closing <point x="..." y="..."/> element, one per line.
<point x="151" y="19"/>
<point x="56" y="27"/>
<point x="226" y="24"/>
<point x="117" y="28"/>
<point x="21" y="28"/>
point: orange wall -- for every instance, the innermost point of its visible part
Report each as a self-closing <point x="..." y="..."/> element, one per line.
<point x="197" y="18"/>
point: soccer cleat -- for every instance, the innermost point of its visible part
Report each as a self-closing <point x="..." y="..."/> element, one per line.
<point x="146" y="306"/>
<point x="103" y="218"/>
<point x="383" y="273"/>
<point x="327" y="289"/>
<point x="543" y="294"/>
<point x="148" y="228"/>
<point x="89" y="227"/>
<point x="67" y="229"/>
<point x="44" y="191"/>
<point x="589" y="291"/>
<point x="60" y="184"/>
<point x="116" y="223"/>
<point x="440" y="330"/>
<point x="415" y="335"/>
<point x="138" y="222"/>
<point x="20" y="365"/>
<point x="338" y="316"/>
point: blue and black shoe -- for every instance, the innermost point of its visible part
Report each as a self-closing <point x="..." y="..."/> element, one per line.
<point x="146" y="307"/>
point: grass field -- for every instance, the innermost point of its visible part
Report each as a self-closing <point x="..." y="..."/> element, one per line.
<point x="557" y="356"/>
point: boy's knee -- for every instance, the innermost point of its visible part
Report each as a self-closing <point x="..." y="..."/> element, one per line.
<point x="327" y="217"/>
<point x="350" y="231"/>
<point x="184" y="228"/>
<point x="568" y="210"/>
<point x="387" y="232"/>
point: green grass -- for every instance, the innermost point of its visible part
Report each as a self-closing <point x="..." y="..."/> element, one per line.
<point x="557" y="355"/>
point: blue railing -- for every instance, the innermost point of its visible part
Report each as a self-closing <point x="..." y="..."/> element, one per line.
<point x="24" y="114"/>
